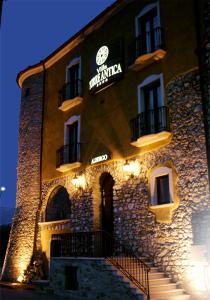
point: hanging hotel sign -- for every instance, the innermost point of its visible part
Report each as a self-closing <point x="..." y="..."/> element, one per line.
<point x="106" y="66"/>
<point x="100" y="158"/>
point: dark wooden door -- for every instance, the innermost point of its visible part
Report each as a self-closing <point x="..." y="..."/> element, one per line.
<point x="107" y="184"/>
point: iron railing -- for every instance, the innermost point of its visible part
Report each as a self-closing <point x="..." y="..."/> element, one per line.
<point x="68" y="154"/>
<point x="102" y="244"/>
<point x="70" y="90"/>
<point x="150" y="121"/>
<point x="147" y="42"/>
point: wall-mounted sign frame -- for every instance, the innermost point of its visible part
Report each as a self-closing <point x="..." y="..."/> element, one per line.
<point x="106" y="65"/>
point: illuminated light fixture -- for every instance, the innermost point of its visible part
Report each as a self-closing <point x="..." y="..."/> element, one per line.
<point x="131" y="168"/>
<point x="79" y="182"/>
<point x="20" y="279"/>
<point x="2" y="189"/>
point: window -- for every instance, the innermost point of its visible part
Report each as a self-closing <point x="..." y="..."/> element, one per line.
<point x="73" y="79"/>
<point x="152" y="112"/>
<point x="72" y="138"/>
<point x="71" y="282"/>
<point x="161" y="186"/>
<point x="163" y="195"/>
<point x="148" y="30"/>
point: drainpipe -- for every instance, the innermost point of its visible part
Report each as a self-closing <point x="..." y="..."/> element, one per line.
<point x="203" y="51"/>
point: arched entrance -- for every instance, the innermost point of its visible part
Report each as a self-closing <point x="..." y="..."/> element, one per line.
<point x="56" y="219"/>
<point x="58" y="206"/>
<point x="107" y="218"/>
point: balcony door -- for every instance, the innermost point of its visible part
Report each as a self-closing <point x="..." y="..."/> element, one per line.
<point x="73" y="141"/>
<point x="107" y="221"/>
<point x="73" y="76"/>
<point x="147" y="24"/>
<point x="152" y="100"/>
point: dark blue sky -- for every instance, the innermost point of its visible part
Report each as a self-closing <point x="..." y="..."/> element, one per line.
<point x="30" y="31"/>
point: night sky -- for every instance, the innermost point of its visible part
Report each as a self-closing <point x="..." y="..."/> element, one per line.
<point x="30" y="31"/>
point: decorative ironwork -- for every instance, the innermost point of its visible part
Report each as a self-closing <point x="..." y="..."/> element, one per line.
<point x="70" y="90"/>
<point x="102" y="244"/>
<point x="147" y="42"/>
<point x="150" y="121"/>
<point x="68" y="154"/>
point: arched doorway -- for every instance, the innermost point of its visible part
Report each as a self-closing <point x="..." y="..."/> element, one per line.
<point x="55" y="220"/>
<point x="58" y="206"/>
<point x="107" y="218"/>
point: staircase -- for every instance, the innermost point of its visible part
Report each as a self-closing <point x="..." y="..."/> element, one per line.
<point x="161" y="287"/>
<point x="138" y="272"/>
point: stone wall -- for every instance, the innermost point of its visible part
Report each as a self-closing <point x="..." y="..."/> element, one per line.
<point x="95" y="281"/>
<point x="169" y="244"/>
<point x="21" y="242"/>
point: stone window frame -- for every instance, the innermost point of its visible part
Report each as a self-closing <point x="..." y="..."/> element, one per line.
<point x="147" y="81"/>
<point x="157" y="172"/>
<point x="144" y="11"/>
<point x="71" y="120"/>
<point x="73" y="62"/>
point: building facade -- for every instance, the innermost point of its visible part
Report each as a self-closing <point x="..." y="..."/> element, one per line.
<point x="114" y="137"/>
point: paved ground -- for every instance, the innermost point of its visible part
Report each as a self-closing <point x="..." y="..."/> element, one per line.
<point x="19" y="294"/>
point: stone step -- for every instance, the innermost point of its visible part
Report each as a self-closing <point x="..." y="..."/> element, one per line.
<point x="156" y="275"/>
<point x="154" y="270"/>
<point x="167" y="294"/>
<point x="136" y="268"/>
<point x="163" y="287"/>
<point x="159" y="281"/>
<point x="179" y="297"/>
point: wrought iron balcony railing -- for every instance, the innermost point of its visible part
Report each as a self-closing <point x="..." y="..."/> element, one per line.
<point x="68" y="154"/>
<point x="102" y="244"/>
<point x="147" y="42"/>
<point x="150" y="121"/>
<point x="70" y="90"/>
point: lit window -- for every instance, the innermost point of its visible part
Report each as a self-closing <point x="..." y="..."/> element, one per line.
<point x="161" y="186"/>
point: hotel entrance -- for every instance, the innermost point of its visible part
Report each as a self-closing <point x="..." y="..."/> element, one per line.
<point x="107" y="220"/>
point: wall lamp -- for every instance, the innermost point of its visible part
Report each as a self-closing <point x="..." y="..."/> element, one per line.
<point x="79" y="181"/>
<point x="131" y="168"/>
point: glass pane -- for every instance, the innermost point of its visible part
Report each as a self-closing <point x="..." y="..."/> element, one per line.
<point x="163" y="195"/>
<point x="159" y="98"/>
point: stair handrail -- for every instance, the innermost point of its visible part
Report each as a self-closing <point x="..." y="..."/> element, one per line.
<point x="140" y="276"/>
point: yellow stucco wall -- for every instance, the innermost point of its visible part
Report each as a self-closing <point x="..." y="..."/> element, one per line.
<point x="105" y="117"/>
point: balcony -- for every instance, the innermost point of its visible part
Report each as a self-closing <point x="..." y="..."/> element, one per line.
<point x="150" y="127"/>
<point x="68" y="157"/>
<point x="70" y="95"/>
<point x="147" y="48"/>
